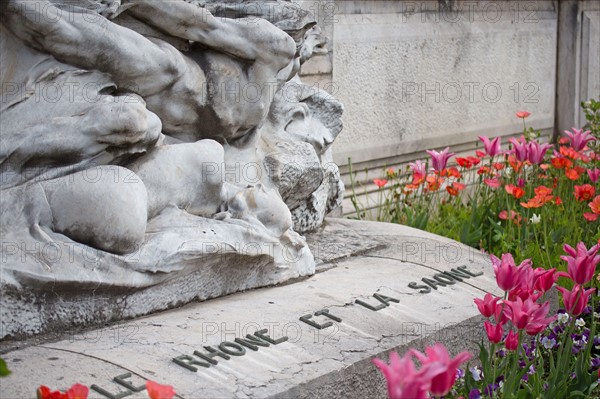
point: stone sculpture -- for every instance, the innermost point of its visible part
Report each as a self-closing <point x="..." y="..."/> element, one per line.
<point x="156" y="152"/>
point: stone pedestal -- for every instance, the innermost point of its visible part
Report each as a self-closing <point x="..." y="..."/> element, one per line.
<point x="378" y="288"/>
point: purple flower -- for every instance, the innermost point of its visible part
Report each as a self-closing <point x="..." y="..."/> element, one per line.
<point x="579" y="139"/>
<point x="490" y="389"/>
<point x="537" y="151"/>
<point x="475" y="394"/>
<point x="594" y="174"/>
<point x="492" y="148"/>
<point x="595" y="363"/>
<point x="519" y="148"/>
<point x="440" y="159"/>
<point x="586" y="332"/>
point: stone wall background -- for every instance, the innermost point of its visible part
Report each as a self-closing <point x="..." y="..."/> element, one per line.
<point x="415" y="75"/>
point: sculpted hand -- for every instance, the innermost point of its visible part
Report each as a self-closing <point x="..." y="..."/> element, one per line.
<point x="113" y="127"/>
<point x="199" y="3"/>
<point x="109" y="8"/>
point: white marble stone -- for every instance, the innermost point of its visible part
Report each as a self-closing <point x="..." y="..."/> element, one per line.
<point x="138" y="142"/>
<point x="412" y="80"/>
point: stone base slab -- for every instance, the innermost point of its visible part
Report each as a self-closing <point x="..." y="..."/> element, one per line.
<point x="314" y="338"/>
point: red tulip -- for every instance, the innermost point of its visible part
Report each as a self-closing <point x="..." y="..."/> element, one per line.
<point x="523" y="114"/>
<point x="158" y="391"/>
<point x="575" y="300"/>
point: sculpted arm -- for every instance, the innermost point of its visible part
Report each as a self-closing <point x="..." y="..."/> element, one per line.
<point x="90" y="41"/>
<point x="248" y="39"/>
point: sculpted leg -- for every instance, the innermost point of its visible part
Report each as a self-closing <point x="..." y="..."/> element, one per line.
<point x="188" y="176"/>
<point x="103" y="207"/>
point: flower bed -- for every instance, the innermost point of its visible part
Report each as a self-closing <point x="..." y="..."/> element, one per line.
<point x="525" y="203"/>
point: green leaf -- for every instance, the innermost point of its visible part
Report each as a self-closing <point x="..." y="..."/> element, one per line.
<point x="4" y="371"/>
<point x="577" y="394"/>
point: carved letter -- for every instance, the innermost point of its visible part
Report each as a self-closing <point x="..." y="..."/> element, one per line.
<point x="424" y="289"/>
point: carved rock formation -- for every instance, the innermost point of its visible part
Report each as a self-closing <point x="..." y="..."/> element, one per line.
<point x="150" y="155"/>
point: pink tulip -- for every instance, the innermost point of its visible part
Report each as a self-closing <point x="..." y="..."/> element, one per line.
<point x="499" y="315"/>
<point x="511" y="342"/>
<point x="493" y="331"/>
<point x="487" y="305"/>
<point x="528" y="315"/>
<point x="403" y="380"/>
<point x="524" y="293"/>
<point x="507" y="273"/>
<point x="519" y="148"/>
<point x="537" y="151"/>
<point x="579" y="139"/>
<point x="594" y="174"/>
<point x="544" y="279"/>
<point x="575" y="300"/>
<point x="419" y="170"/>
<point x="492" y="148"/>
<point x="526" y="275"/>
<point x="440" y="159"/>
<point x="581" y="262"/>
<point x="438" y="355"/>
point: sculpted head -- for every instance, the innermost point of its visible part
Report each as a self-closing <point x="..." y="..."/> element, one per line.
<point x="257" y="203"/>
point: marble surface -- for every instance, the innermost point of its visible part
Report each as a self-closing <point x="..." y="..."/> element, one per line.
<point x="332" y="362"/>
